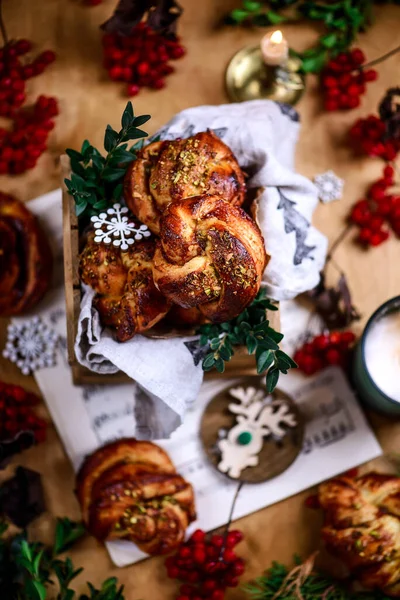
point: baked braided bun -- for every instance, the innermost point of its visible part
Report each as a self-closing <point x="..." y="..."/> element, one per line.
<point x="169" y="171"/>
<point x="127" y="298"/>
<point x="210" y="255"/>
<point x="25" y="258"/>
<point x="362" y="527"/>
<point x="130" y="490"/>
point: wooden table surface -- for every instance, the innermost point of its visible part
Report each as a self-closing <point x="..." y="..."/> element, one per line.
<point x="88" y="100"/>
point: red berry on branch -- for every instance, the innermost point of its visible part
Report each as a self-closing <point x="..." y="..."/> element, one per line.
<point x="388" y="172"/>
<point x="330" y="82"/>
<point x="333" y="356"/>
<point x="370" y="75"/>
<point x="331" y="105"/>
<point x="22" y="46"/>
<point x="198" y="536"/>
<point x="357" y="56"/>
<point x="47" y="57"/>
<point x="365" y="235"/>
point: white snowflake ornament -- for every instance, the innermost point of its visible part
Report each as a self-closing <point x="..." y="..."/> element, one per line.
<point x="114" y="227"/>
<point x="329" y="186"/>
<point x="31" y="345"/>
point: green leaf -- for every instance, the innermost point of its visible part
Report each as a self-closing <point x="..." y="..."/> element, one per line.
<point x="113" y="174"/>
<point x="225" y="353"/>
<point x="314" y="64"/>
<point x="264" y="360"/>
<point x="220" y="365"/>
<point x="127" y="115"/>
<point x="36" y="562"/>
<point x="132" y="133"/>
<point x="251" y="343"/>
<point x="67" y="533"/>
<point x="274" y="18"/>
<point x="80" y="208"/>
<point x="138" y="121"/>
<point x="329" y="40"/>
<point x="283" y="356"/>
<point x="214" y="343"/>
<point x="208" y="362"/>
<point x="110" y="139"/>
<point x="275" y="335"/>
<point x="85" y="146"/>
<point x="73" y="154"/>
<point x="272" y="379"/>
<point x="26" y="550"/>
<point x="251" y="6"/>
<point x="268" y="344"/>
<point x="118" y="191"/>
<point x="35" y="590"/>
<point x="238" y="15"/>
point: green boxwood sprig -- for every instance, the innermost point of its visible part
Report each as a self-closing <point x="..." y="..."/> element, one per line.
<point x="33" y="571"/>
<point x="96" y="180"/>
<point x="252" y="330"/>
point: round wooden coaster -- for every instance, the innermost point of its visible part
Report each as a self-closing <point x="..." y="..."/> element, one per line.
<point x="275" y="456"/>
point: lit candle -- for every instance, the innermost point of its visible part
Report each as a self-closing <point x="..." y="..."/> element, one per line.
<point x="377" y="364"/>
<point x="274" y="49"/>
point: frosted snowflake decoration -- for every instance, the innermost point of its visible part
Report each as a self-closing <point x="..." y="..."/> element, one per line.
<point x="31" y="345"/>
<point x="329" y="186"/>
<point x="115" y="227"/>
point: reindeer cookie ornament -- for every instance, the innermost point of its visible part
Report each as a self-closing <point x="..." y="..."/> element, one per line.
<point x="250" y="435"/>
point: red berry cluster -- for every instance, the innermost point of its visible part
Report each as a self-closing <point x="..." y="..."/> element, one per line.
<point x="16" y="413"/>
<point x="206" y="566"/>
<point x="326" y="349"/>
<point x="14" y="71"/>
<point x="140" y="59"/>
<point x="369" y="136"/>
<point x="343" y="80"/>
<point x="378" y="212"/>
<point x="21" y="146"/>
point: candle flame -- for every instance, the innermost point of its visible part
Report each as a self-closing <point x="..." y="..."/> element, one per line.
<point x="277" y="37"/>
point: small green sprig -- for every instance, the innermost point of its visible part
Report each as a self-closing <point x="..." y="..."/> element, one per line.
<point x="29" y="570"/>
<point x="108" y="591"/>
<point x="251" y="329"/>
<point x="96" y="180"/>
<point x="67" y="533"/>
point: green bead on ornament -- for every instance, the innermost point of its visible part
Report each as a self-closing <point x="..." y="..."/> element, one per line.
<point x="244" y="438"/>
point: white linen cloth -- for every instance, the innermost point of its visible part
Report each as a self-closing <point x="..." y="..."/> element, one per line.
<point x="262" y="135"/>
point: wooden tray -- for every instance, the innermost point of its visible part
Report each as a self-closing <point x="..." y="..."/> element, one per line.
<point x="241" y="364"/>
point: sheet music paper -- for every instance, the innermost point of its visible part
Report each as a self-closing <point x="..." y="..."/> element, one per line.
<point x="337" y="436"/>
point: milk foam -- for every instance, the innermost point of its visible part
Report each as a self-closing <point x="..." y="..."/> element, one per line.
<point x="382" y="354"/>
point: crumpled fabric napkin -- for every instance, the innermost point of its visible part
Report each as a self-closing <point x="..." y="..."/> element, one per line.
<point x="263" y="135"/>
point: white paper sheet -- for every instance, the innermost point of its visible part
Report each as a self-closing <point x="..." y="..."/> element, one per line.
<point x="337" y="437"/>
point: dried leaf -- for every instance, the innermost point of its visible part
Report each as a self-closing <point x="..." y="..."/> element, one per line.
<point x="22" y="441"/>
<point x="22" y="498"/>
<point x="334" y="304"/>
<point x="162" y="15"/>
<point x="389" y="112"/>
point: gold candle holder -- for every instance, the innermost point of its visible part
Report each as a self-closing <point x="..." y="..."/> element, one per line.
<point x="249" y="77"/>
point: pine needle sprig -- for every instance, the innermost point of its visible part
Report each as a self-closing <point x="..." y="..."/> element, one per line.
<point x="96" y="180"/>
<point x="252" y="330"/>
